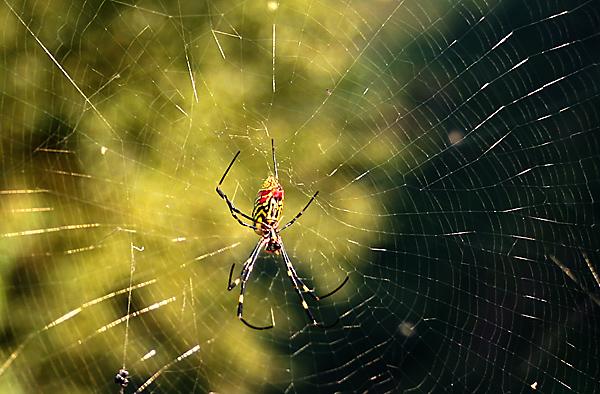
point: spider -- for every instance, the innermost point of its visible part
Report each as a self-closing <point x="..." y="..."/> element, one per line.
<point x="265" y="219"/>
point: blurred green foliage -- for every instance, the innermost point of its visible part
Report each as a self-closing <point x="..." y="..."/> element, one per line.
<point x="115" y="140"/>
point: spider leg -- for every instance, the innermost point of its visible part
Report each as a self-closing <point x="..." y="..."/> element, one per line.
<point x="243" y="279"/>
<point x="228" y="168"/>
<point x="259" y="327"/>
<point x="251" y="259"/>
<point x="292" y="273"/>
<point x="296" y="281"/>
<point x="288" y="224"/>
<point x="234" y="211"/>
<point x="310" y="291"/>
<point x="274" y="160"/>
<point x="332" y="292"/>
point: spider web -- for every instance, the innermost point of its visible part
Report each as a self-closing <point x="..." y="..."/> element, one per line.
<point x="455" y="145"/>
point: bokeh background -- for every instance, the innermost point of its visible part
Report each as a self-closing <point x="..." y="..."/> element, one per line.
<point x="455" y="145"/>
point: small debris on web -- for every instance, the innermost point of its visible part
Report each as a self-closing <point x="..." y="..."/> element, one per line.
<point x="122" y="378"/>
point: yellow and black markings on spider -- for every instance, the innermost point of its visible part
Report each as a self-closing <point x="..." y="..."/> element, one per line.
<point x="265" y="218"/>
<point x="268" y="204"/>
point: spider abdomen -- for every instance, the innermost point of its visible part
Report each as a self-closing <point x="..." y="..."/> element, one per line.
<point x="268" y="205"/>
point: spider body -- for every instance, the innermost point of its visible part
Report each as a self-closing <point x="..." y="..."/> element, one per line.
<point x="267" y="211"/>
<point x="265" y="220"/>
